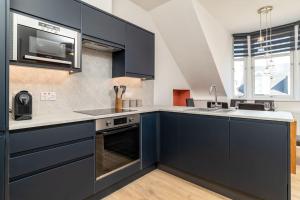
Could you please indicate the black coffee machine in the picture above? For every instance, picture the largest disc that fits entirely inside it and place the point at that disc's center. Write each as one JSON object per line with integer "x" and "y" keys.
{"x": 22, "y": 106}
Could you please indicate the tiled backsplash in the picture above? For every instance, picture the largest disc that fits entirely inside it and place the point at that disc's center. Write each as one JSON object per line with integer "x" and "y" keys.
{"x": 90, "y": 89}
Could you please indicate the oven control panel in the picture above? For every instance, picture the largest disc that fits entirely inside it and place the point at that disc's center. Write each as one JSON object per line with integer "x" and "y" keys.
{"x": 113, "y": 122}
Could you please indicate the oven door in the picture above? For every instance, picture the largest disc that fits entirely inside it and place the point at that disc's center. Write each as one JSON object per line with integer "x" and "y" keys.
{"x": 38, "y": 46}
{"x": 116, "y": 149}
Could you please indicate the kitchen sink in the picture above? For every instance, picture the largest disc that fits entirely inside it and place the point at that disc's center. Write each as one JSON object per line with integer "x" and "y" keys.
{"x": 219, "y": 110}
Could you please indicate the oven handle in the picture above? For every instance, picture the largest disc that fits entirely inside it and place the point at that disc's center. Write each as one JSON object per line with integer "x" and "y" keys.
{"x": 112, "y": 132}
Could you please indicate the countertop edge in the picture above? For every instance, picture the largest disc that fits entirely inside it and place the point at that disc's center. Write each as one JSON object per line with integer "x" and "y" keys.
{"x": 75, "y": 117}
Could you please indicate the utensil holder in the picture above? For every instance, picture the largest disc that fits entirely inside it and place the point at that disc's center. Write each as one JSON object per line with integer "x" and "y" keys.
{"x": 118, "y": 104}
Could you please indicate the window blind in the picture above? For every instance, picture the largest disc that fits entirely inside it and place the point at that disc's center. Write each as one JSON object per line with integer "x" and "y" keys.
{"x": 282, "y": 40}
{"x": 240, "y": 45}
{"x": 298, "y": 35}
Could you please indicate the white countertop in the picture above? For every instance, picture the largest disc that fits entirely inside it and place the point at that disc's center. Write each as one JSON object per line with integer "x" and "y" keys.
{"x": 53, "y": 119}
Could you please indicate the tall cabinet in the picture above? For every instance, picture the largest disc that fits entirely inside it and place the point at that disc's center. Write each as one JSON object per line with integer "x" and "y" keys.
{"x": 3, "y": 100}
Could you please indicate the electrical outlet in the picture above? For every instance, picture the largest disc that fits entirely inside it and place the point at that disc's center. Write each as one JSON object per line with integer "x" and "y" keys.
{"x": 48, "y": 96}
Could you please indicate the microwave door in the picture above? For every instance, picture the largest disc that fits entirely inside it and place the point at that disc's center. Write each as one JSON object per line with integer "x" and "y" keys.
{"x": 41, "y": 46}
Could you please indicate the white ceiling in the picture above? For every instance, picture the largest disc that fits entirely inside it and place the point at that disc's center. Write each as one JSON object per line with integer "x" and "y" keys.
{"x": 149, "y": 4}
{"x": 241, "y": 15}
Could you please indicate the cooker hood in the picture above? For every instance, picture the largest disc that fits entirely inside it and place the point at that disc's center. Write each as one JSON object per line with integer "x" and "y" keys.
{"x": 100, "y": 45}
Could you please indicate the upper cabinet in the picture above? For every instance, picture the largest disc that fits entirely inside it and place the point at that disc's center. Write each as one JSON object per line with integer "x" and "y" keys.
{"x": 65, "y": 12}
{"x": 135, "y": 46}
{"x": 102, "y": 26}
{"x": 139, "y": 51}
{"x": 137, "y": 60}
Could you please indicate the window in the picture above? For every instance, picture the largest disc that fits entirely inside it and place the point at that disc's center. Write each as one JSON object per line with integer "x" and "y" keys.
{"x": 239, "y": 77}
{"x": 271, "y": 71}
{"x": 272, "y": 77}
{"x": 240, "y": 57}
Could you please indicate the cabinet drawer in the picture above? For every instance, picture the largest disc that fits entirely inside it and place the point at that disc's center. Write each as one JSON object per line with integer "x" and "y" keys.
{"x": 74, "y": 181}
{"x": 42, "y": 160}
{"x": 37, "y": 138}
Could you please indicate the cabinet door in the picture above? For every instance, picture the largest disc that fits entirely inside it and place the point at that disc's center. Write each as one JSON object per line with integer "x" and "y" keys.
{"x": 204, "y": 147}
{"x": 66, "y": 12}
{"x": 139, "y": 50}
{"x": 3, "y": 64}
{"x": 259, "y": 158}
{"x": 73, "y": 181}
{"x": 102, "y": 26}
{"x": 169, "y": 152}
{"x": 2, "y": 166}
{"x": 149, "y": 123}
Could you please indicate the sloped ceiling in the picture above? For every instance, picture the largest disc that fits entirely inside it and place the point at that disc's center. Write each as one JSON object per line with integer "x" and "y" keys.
{"x": 241, "y": 15}
{"x": 179, "y": 25}
{"x": 149, "y": 4}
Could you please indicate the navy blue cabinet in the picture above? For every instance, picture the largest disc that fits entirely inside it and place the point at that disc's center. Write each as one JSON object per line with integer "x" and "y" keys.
{"x": 169, "y": 139}
{"x": 248, "y": 156}
{"x": 74, "y": 181}
{"x": 3, "y": 64}
{"x": 2, "y": 166}
{"x": 259, "y": 158}
{"x": 139, "y": 51}
{"x": 195, "y": 144}
{"x": 55, "y": 162}
{"x": 149, "y": 133}
{"x": 204, "y": 147}
{"x": 65, "y": 12}
{"x": 102, "y": 26}
{"x": 138, "y": 59}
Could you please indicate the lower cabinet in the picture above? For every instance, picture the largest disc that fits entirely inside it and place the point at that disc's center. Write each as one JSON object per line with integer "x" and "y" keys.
{"x": 149, "y": 135}
{"x": 259, "y": 158}
{"x": 195, "y": 144}
{"x": 52, "y": 163}
{"x": 74, "y": 181}
{"x": 169, "y": 139}
{"x": 247, "y": 156}
{"x": 203, "y": 147}
{"x": 2, "y": 166}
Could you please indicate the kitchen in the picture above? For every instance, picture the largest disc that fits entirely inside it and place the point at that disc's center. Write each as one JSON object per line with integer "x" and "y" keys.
{"x": 94, "y": 102}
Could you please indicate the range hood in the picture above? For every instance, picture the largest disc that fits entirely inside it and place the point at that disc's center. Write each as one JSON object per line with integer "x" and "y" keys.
{"x": 100, "y": 45}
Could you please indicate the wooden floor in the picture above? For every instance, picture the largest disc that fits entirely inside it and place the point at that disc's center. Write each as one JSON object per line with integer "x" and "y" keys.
{"x": 159, "y": 185}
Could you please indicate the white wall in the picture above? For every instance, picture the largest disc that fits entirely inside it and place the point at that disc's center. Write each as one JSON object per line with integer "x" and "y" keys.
{"x": 220, "y": 44}
{"x": 105, "y": 5}
{"x": 179, "y": 25}
{"x": 167, "y": 73}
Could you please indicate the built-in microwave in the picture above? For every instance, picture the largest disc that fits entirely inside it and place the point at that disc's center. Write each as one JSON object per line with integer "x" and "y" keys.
{"x": 38, "y": 42}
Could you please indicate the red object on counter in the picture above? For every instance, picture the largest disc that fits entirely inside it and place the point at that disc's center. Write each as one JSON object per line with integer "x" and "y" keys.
{"x": 180, "y": 96}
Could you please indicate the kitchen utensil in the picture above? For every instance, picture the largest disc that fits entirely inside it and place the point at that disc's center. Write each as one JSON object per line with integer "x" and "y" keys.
{"x": 123, "y": 87}
{"x": 116, "y": 89}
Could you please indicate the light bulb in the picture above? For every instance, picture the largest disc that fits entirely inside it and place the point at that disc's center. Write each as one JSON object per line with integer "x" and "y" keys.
{"x": 260, "y": 39}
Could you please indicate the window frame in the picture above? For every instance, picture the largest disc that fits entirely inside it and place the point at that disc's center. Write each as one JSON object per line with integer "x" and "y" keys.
{"x": 249, "y": 75}
{"x": 274, "y": 97}
{"x": 244, "y": 59}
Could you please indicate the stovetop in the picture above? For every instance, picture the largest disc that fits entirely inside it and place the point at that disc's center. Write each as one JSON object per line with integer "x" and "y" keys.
{"x": 97, "y": 112}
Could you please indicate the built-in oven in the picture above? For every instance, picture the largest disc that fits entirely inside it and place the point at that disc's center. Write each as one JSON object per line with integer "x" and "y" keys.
{"x": 117, "y": 144}
{"x": 35, "y": 41}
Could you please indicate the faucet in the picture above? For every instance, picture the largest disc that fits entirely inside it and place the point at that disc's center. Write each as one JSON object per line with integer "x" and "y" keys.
{"x": 213, "y": 89}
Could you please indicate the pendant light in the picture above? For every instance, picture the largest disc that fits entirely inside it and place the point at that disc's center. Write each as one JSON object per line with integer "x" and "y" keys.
{"x": 265, "y": 39}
